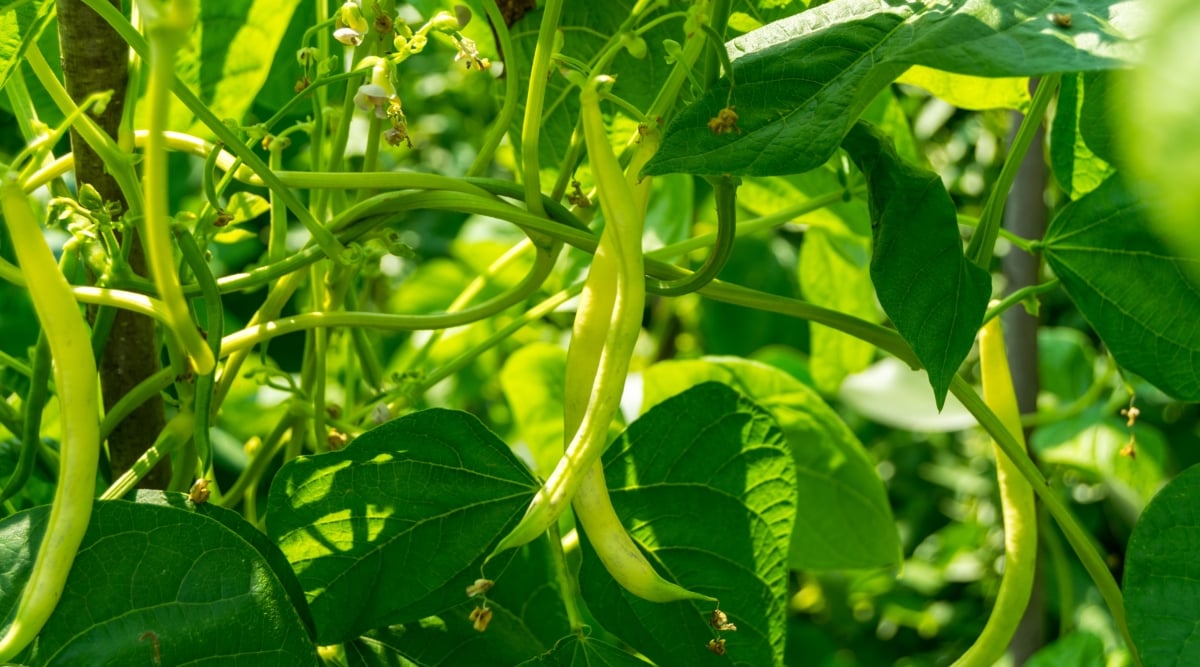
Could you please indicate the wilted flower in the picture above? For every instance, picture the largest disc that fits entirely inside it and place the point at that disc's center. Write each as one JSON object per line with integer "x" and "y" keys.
{"x": 469, "y": 52}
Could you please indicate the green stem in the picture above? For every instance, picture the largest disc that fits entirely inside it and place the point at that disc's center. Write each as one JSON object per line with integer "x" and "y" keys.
{"x": 979, "y": 250}
{"x": 214, "y": 319}
{"x": 512, "y": 91}
{"x": 1019, "y": 296}
{"x": 167, "y": 33}
{"x": 31, "y": 418}
{"x": 531, "y": 128}
{"x": 725, "y": 190}
{"x": 175, "y": 434}
{"x": 139, "y": 394}
{"x": 566, "y": 582}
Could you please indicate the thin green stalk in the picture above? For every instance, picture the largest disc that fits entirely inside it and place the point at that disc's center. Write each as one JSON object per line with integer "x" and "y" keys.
{"x": 565, "y": 580}
{"x": 979, "y": 250}
{"x": 317, "y": 356}
{"x": 136, "y": 396}
{"x": 1019, "y": 296}
{"x": 31, "y": 418}
{"x": 531, "y": 128}
{"x": 214, "y": 319}
{"x": 118, "y": 163}
{"x": 174, "y": 434}
{"x": 260, "y": 459}
{"x": 167, "y": 33}
{"x": 278, "y": 220}
{"x": 725, "y": 190}
{"x": 225, "y": 134}
{"x": 472, "y": 290}
{"x": 487, "y": 151}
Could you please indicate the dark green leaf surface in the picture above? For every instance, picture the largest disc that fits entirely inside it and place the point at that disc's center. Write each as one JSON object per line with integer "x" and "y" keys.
{"x": 843, "y": 519}
{"x": 396, "y": 525}
{"x": 1076, "y": 165}
{"x": 1162, "y": 592}
{"x": 576, "y": 651}
{"x": 705, "y": 484}
{"x": 802, "y": 81}
{"x": 152, "y": 575}
{"x": 527, "y": 619}
{"x": 934, "y": 296}
{"x": 1078, "y": 649}
{"x": 1130, "y": 287}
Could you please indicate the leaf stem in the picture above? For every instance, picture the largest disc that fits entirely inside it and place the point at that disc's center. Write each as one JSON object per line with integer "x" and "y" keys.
{"x": 979, "y": 250}
{"x": 1018, "y": 296}
{"x": 531, "y": 128}
{"x": 512, "y": 91}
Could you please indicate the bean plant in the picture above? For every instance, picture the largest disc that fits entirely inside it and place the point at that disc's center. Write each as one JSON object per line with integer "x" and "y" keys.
{"x": 623, "y": 332}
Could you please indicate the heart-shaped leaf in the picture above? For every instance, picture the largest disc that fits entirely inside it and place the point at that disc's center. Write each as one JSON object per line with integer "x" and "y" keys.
{"x": 706, "y": 485}
{"x": 934, "y": 296}
{"x": 395, "y": 526}
{"x": 158, "y": 583}
{"x": 1132, "y": 289}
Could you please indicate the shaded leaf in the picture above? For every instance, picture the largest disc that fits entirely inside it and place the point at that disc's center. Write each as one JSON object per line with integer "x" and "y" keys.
{"x": 1077, "y": 649}
{"x": 843, "y": 519}
{"x": 802, "y": 81}
{"x": 1131, "y": 289}
{"x": 1076, "y": 166}
{"x": 396, "y": 525}
{"x": 1162, "y": 593}
{"x": 576, "y": 651}
{"x": 705, "y": 485}
{"x": 156, "y": 578}
{"x": 933, "y": 295}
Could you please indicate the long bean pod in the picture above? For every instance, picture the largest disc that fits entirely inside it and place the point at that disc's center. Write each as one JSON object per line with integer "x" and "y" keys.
{"x": 78, "y": 389}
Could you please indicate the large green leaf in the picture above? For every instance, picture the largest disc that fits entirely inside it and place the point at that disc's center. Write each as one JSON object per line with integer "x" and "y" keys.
{"x": 576, "y": 651}
{"x": 234, "y": 46}
{"x": 706, "y": 487}
{"x": 934, "y": 296}
{"x": 158, "y": 583}
{"x": 396, "y": 525}
{"x": 1130, "y": 287}
{"x": 1162, "y": 592}
{"x": 527, "y": 620}
{"x": 1076, "y": 165}
{"x": 843, "y": 519}
{"x": 585, "y": 28}
{"x": 802, "y": 81}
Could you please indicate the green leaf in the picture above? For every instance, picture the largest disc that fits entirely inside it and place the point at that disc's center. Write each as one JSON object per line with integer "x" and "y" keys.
{"x": 576, "y": 651}
{"x": 834, "y": 274}
{"x": 585, "y": 28}
{"x": 158, "y": 579}
{"x": 527, "y": 619}
{"x": 396, "y": 525}
{"x": 1076, "y": 166}
{"x": 802, "y": 81}
{"x": 1162, "y": 593}
{"x": 934, "y": 296}
{"x": 843, "y": 519}
{"x": 234, "y": 44}
{"x": 532, "y": 381}
{"x": 1131, "y": 289}
{"x": 1078, "y": 649}
{"x": 763, "y": 264}
{"x": 21, "y": 23}
{"x": 706, "y": 487}
{"x": 970, "y": 92}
